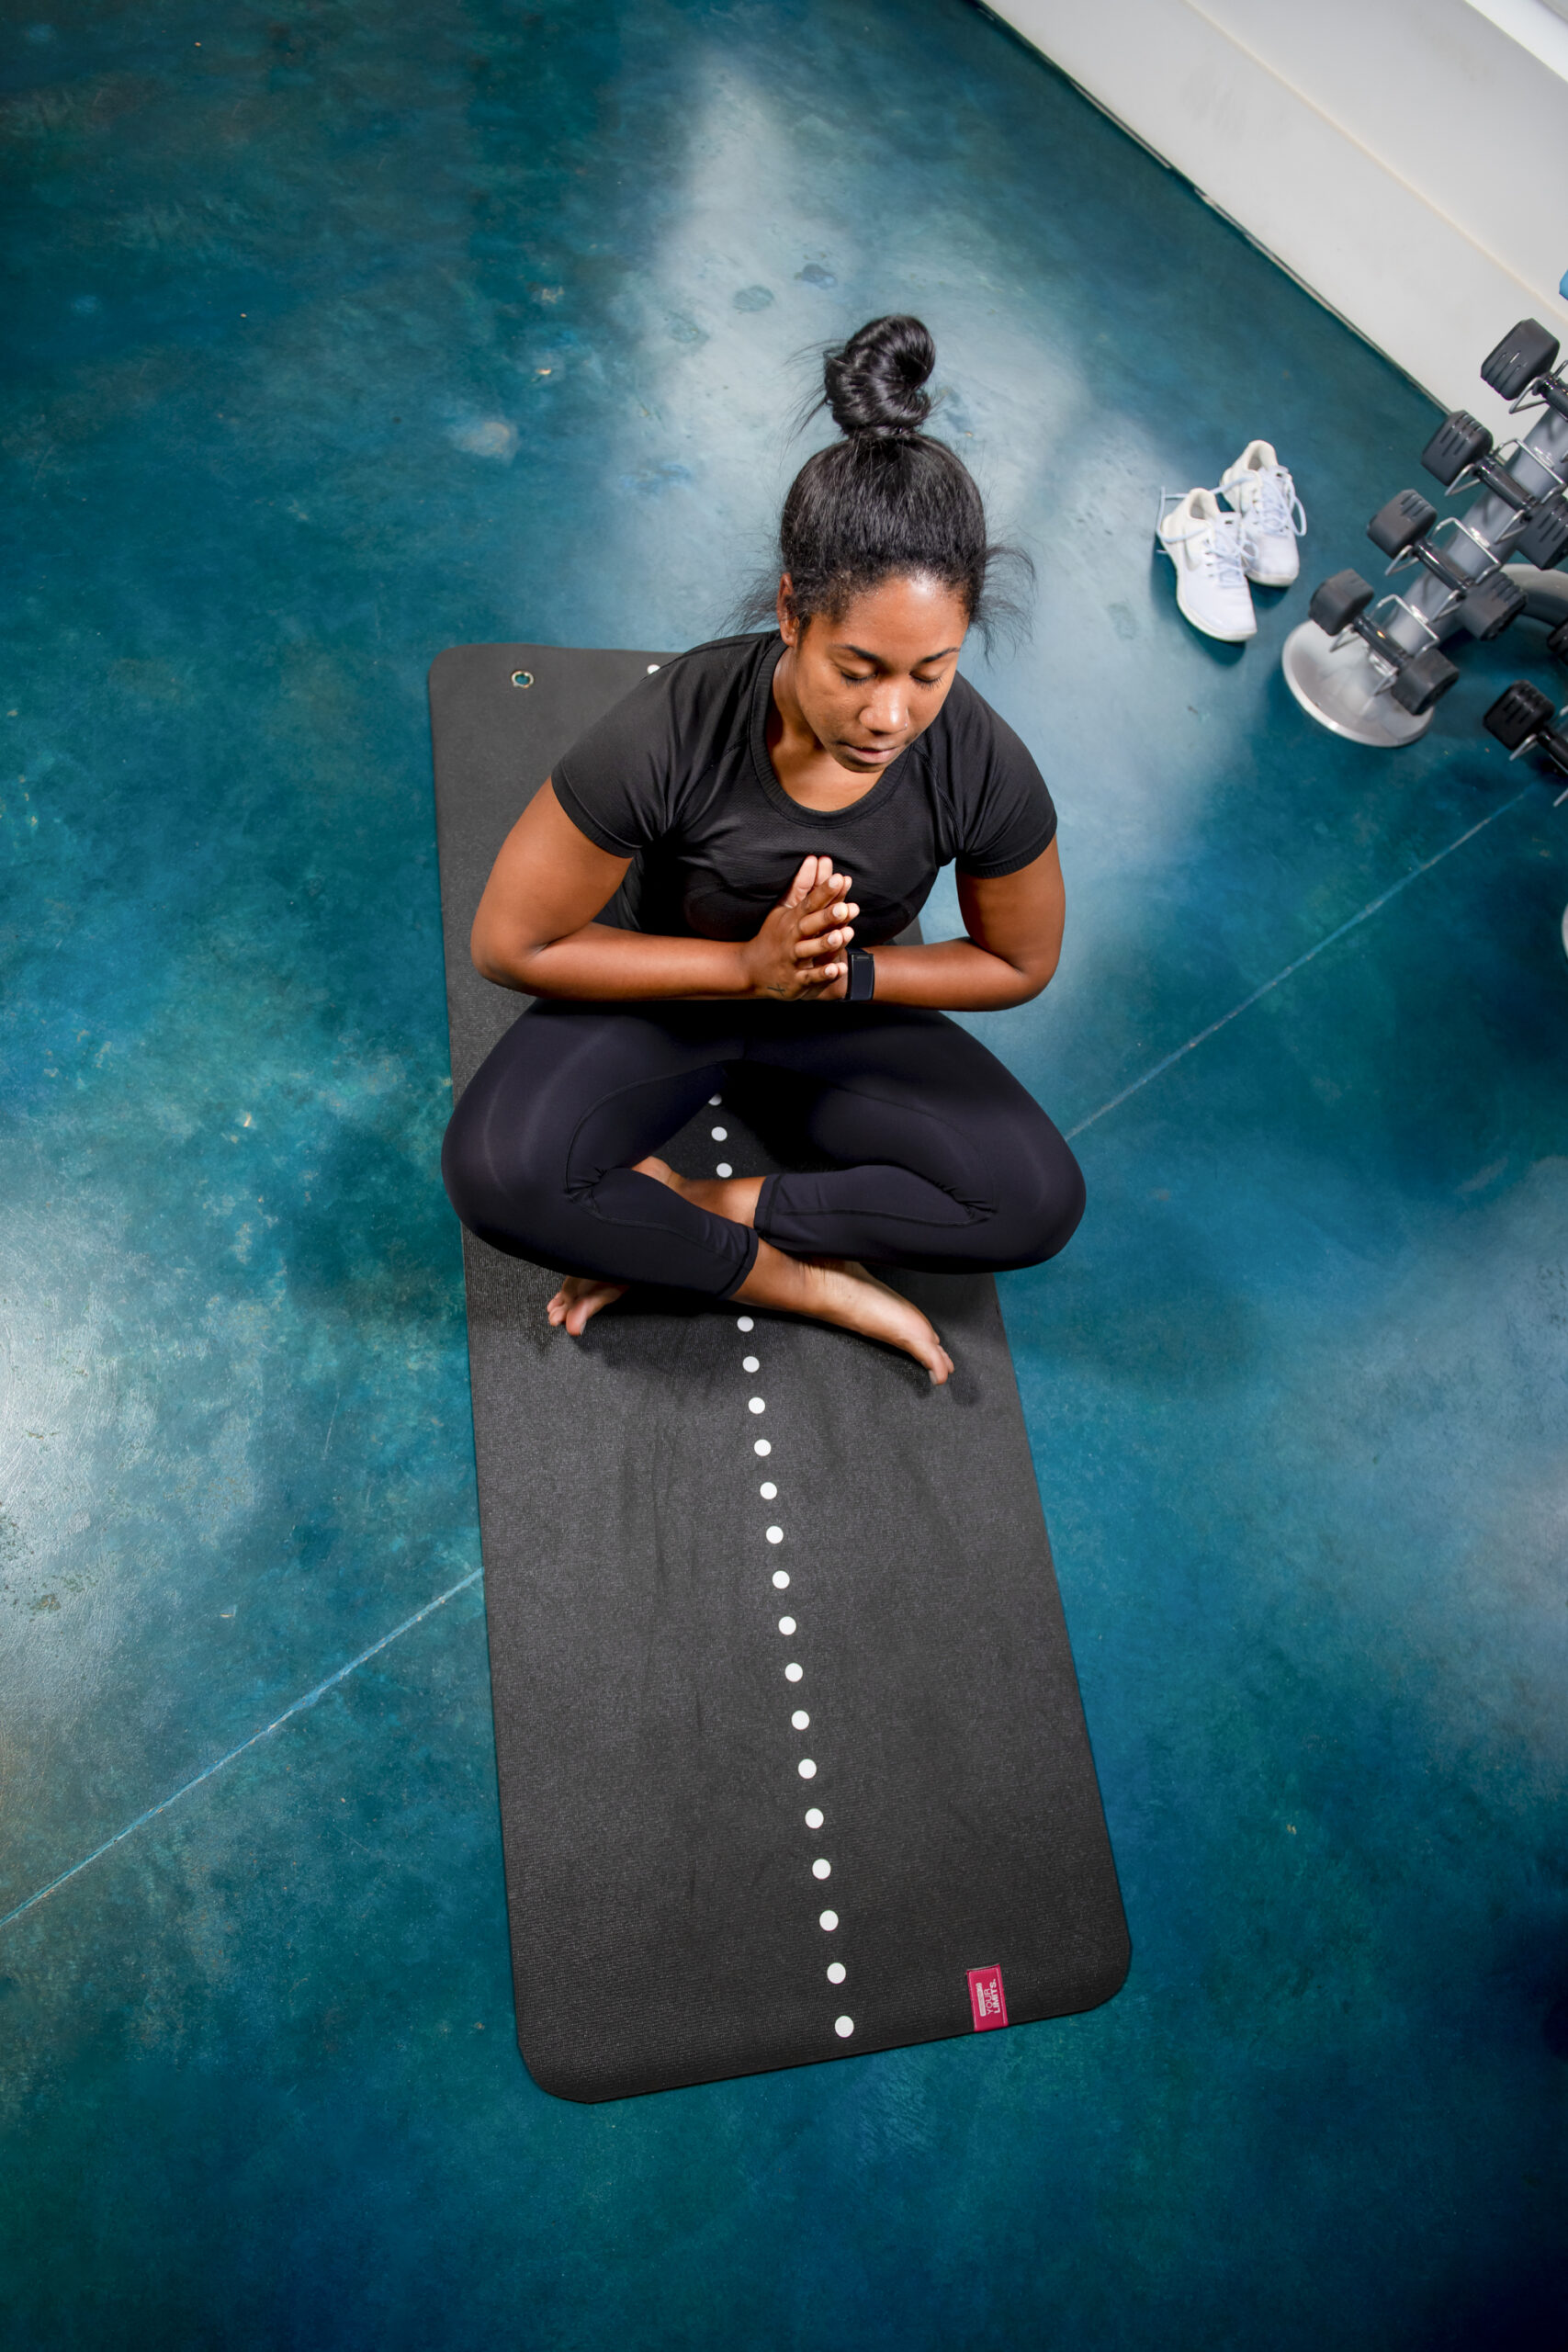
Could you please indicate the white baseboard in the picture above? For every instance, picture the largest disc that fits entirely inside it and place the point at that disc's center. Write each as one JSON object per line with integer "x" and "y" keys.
{"x": 1291, "y": 146}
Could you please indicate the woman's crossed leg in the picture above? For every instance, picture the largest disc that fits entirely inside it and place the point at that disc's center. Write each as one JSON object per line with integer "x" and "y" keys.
{"x": 944, "y": 1161}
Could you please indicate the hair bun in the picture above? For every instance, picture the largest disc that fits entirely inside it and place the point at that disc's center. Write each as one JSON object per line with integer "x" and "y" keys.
{"x": 873, "y": 383}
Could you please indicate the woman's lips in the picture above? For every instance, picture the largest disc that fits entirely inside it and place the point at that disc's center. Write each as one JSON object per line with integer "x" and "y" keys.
{"x": 869, "y": 752}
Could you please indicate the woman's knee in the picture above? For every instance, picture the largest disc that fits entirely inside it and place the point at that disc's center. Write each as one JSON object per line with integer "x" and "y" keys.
{"x": 464, "y": 1162}
{"x": 1042, "y": 1201}
{"x": 496, "y": 1190}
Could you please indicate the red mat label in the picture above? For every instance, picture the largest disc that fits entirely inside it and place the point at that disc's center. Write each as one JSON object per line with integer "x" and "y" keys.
{"x": 986, "y": 1999}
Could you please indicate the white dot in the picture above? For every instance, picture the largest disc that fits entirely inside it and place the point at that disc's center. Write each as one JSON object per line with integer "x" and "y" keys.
{"x": 787, "y": 1624}
{"x": 775, "y": 1535}
{"x": 801, "y": 1720}
{"x": 744, "y": 1323}
{"x": 721, "y": 1135}
{"x": 714, "y": 1102}
{"x": 724, "y": 1169}
{"x": 837, "y": 1972}
{"x": 652, "y": 668}
{"x": 756, "y": 1403}
{"x": 843, "y": 2027}
{"x": 829, "y": 1920}
{"x": 762, "y": 1446}
{"x": 806, "y": 1769}
{"x": 751, "y": 1363}
{"x": 767, "y": 1491}
{"x": 793, "y": 1672}
{"x": 814, "y": 1816}
{"x": 781, "y": 1580}
{"x": 820, "y": 1869}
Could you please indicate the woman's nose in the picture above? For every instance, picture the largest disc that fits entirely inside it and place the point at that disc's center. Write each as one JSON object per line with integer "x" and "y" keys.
{"x": 885, "y": 714}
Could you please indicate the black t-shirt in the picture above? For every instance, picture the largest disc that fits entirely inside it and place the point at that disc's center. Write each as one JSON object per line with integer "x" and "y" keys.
{"x": 677, "y": 777}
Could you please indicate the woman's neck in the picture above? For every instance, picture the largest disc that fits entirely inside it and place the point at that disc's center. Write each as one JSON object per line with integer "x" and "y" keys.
{"x": 805, "y": 771}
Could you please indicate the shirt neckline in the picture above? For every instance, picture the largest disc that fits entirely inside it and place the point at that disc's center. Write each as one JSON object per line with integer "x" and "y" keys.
{"x": 772, "y": 790}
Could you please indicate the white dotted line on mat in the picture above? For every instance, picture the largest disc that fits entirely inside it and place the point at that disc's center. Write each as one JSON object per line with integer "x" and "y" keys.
{"x": 721, "y": 1135}
{"x": 793, "y": 1672}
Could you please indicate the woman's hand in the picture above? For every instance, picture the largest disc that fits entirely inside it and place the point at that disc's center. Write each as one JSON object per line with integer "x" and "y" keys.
{"x": 798, "y": 952}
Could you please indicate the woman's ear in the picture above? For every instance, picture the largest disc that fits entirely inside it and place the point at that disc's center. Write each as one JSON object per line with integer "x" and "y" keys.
{"x": 789, "y": 628}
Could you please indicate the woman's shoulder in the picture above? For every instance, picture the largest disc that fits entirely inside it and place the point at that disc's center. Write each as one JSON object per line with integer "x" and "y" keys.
{"x": 681, "y": 702}
{"x": 699, "y": 703}
{"x": 968, "y": 732}
{"x": 721, "y": 654}
{"x": 709, "y": 672}
{"x": 999, "y": 806}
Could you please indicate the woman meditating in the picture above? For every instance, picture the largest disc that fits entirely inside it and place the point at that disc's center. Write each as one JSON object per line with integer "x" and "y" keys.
{"x": 714, "y": 876}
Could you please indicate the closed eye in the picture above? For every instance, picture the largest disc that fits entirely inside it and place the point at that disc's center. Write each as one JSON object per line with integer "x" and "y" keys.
{"x": 854, "y": 678}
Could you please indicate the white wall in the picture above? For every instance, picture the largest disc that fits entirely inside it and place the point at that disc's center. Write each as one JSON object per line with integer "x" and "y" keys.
{"x": 1407, "y": 160}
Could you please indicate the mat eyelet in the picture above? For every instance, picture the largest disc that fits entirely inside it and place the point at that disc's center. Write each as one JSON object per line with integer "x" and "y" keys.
{"x": 522, "y": 677}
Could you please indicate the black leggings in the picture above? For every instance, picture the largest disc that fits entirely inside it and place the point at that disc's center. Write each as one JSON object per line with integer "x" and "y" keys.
{"x": 939, "y": 1158}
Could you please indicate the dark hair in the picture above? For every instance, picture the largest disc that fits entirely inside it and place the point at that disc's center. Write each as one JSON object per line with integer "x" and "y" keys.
{"x": 887, "y": 502}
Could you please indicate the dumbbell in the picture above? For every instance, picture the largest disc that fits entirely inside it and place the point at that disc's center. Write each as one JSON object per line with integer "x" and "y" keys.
{"x": 1522, "y": 719}
{"x": 1486, "y": 604}
{"x": 1341, "y": 603}
{"x": 1523, "y": 363}
{"x": 1460, "y": 452}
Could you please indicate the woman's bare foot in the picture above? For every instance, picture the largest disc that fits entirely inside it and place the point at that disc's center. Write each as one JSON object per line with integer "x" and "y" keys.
{"x": 580, "y": 1297}
{"x": 828, "y": 1289}
{"x": 578, "y": 1301}
{"x": 734, "y": 1197}
{"x": 836, "y": 1290}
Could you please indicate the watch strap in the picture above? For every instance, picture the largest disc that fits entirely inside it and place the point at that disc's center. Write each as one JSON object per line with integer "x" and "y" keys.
{"x": 862, "y": 985}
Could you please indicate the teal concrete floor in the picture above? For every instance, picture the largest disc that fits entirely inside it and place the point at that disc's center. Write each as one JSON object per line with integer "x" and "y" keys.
{"x": 344, "y": 331}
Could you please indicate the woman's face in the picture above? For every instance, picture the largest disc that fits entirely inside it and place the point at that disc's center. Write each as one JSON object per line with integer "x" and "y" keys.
{"x": 872, "y": 680}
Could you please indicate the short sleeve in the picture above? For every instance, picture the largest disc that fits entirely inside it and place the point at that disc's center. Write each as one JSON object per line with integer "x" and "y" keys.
{"x": 1005, "y": 811}
{"x": 614, "y": 783}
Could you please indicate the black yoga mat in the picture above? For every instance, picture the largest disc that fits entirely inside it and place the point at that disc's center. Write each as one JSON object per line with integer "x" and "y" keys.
{"x": 791, "y": 1760}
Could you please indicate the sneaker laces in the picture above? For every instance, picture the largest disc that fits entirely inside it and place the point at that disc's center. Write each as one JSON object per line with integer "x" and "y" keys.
{"x": 1223, "y": 556}
{"x": 1277, "y": 506}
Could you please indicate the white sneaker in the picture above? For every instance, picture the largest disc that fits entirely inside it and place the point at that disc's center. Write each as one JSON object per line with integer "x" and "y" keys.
{"x": 1263, "y": 494}
{"x": 1204, "y": 544}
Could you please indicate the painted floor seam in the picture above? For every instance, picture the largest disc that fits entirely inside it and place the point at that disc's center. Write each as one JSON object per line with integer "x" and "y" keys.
{"x": 1351, "y": 924}
{"x": 209, "y": 1771}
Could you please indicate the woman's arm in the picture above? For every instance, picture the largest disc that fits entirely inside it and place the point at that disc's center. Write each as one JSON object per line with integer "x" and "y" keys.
{"x": 535, "y": 929}
{"x": 1015, "y": 940}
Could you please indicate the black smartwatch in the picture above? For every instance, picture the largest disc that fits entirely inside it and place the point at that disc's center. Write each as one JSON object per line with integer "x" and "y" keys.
{"x": 862, "y": 977}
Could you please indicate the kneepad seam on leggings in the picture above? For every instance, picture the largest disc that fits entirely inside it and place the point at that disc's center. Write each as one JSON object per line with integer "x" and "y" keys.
{"x": 945, "y": 1126}
{"x": 577, "y": 1186}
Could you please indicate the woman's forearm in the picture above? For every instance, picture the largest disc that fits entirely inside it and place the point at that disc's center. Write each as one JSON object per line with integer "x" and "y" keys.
{"x": 954, "y": 976}
{"x": 600, "y": 964}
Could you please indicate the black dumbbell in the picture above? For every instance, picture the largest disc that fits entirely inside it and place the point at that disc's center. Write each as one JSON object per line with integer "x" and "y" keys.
{"x": 1491, "y": 605}
{"x": 1487, "y": 604}
{"x": 1458, "y": 442}
{"x": 1521, "y": 719}
{"x": 1461, "y": 445}
{"x": 1557, "y": 643}
{"x": 1341, "y": 603}
{"x": 1525, "y": 353}
{"x": 1338, "y": 603}
{"x": 1405, "y": 520}
{"x": 1544, "y": 539}
{"x": 1524, "y": 366}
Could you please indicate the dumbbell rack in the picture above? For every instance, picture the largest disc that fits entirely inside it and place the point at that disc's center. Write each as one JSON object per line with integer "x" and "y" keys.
{"x": 1372, "y": 668}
